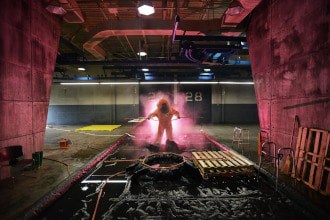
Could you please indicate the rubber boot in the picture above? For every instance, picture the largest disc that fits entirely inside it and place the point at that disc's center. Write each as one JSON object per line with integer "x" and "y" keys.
{"x": 154, "y": 148}
{"x": 171, "y": 146}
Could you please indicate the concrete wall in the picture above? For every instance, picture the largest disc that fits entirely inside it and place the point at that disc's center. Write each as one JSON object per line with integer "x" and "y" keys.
{"x": 234, "y": 104}
{"x": 93, "y": 104}
{"x": 289, "y": 49}
{"x": 28, "y": 49}
{"x": 104, "y": 104}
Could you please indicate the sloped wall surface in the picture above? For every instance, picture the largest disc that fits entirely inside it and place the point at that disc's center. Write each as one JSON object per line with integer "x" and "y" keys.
{"x": 289, "y": 49}
{"x": 28, "y": 49}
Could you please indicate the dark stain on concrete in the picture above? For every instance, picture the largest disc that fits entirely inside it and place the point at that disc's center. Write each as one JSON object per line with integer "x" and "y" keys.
{"x": 293, "y": 42}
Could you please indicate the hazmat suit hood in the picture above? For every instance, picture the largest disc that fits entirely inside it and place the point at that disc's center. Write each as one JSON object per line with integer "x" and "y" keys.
{"x": 163, "y": 106}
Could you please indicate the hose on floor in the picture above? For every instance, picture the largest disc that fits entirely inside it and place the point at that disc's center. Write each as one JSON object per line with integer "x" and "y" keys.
{"x": 101, "y": 190}
{"x": 67, "y": 165}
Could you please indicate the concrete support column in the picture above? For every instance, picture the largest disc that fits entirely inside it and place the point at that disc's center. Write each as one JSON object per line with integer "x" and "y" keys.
{"x": 289, "y": 50}
{"x": 28, "y": 49}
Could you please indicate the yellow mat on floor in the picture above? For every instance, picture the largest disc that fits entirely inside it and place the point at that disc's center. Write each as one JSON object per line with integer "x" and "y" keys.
{"x": 98, "y": 128}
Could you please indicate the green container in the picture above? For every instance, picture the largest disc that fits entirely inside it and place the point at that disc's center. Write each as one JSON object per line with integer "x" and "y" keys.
{"x": 37, "y": 156}
{"x": 41, "y": 154}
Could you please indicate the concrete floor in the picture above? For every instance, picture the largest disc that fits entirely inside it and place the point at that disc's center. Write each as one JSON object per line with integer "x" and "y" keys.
{"x": 60, "y": 164}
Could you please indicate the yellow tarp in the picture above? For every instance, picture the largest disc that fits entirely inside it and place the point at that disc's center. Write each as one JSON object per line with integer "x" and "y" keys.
{"x": 98, "y": 128}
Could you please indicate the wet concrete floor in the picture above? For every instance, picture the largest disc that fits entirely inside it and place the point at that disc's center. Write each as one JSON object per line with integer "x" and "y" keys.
{"x": 60, "y": 164}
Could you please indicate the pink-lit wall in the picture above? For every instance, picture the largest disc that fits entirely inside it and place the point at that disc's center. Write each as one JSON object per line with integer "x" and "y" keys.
{"x": 28, "y": 49}
{"x": 289, "y": 50}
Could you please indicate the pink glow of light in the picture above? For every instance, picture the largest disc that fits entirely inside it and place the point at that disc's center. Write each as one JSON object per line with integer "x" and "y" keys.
{"x": 184, "y": 129}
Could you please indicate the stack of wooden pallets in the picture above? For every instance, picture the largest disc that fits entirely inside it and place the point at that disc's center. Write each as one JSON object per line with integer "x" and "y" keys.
{"x": 222, "y": 163}
{"x": 313, "y": 159}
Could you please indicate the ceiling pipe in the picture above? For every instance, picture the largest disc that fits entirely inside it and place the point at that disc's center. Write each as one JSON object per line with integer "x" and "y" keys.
{"x": 106, "y": 29}
{"x": 176, "y": 23}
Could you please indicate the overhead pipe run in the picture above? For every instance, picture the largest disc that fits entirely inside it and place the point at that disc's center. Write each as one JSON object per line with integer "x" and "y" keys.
{"x": 106, "y": 29}
{"x": 176, "y": 23}
{"x": 201, "y": 53}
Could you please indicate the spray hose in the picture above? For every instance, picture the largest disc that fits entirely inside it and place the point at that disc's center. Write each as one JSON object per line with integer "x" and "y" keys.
{"x": 101, "y": 191}
{"x": 67, "y": 165}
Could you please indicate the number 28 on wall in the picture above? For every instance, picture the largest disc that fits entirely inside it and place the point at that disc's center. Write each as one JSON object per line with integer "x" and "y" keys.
{"x": 197, "y": 97}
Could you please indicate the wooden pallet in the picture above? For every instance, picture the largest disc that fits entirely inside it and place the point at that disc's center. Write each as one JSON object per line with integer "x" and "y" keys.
{"x": 314, "y": 156}
{"x": 221, "y": 163}
{"x": 311, "y": 148}
{"x": 325, "y": 176}
{"x": 300, "y": 153}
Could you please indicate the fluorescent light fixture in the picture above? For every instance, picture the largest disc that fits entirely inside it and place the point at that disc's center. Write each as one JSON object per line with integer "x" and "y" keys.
{"x": 146, "y": 8}
{"x": 99, "y": 83}
{"x": 145, "y": 69}
{"x": 206, "y": 74}
{"x": 159, "y": 83}
{"x": 81, "y": 69}
{"x": 142, "y": 53}
{"x": 215, "y": 82}
{"x": 200, "y": 83}
{"x": 237, "y": 83}
{"x": 79, "y": 83}
{"x": 103, "y": 181}
{"x": 119, "y": 83}
{"x": 207, "y": 70}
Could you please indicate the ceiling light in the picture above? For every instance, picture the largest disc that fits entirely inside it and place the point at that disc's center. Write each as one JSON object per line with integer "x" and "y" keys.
{"x": 146, "y": 8}
{"x": 207, "y": 70}
{"x": 81, "y": 69}
{"x": 99, "y": 83}
{"x": 119, "y": 83}
{"x": 206, "y": 74}
{"x": 197, "y": 82}
{"x": 145, "y": 69}
{"x": 78, "y": 83}
{"x": 142, "y": 53}
{"x": 237, "y": 83}
{"x": 159, "y": 83}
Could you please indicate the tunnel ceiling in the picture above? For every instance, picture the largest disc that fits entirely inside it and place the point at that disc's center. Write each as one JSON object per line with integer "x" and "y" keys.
{"x": 182, "y": 37}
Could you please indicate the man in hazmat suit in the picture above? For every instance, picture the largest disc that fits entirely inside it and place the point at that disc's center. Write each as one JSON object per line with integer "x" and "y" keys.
{"x": 164, "y": 113}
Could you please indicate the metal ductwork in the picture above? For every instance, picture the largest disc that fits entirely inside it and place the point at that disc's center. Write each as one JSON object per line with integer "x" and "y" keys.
{"x": 74, "y": 14}
{"x": 112, "y": 28}
{"x": 236, "y": 12}
{"x": 215, "y": 54}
